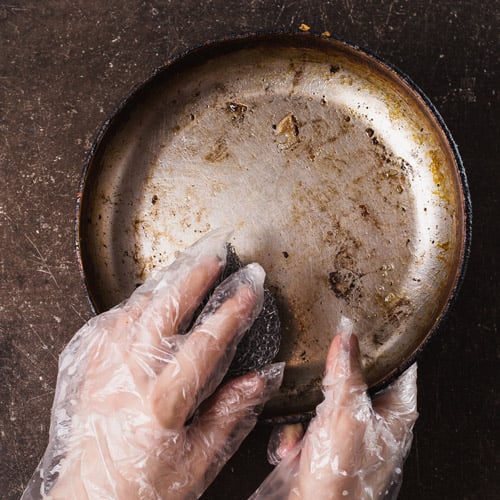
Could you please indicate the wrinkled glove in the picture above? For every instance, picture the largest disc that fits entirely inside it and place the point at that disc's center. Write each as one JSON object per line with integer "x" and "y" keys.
{"x": 136, "y": 413}
{"x": 354, "y": 447}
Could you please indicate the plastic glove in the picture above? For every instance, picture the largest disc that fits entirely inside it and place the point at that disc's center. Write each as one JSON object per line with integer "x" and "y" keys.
{"x": 126, "y": 420}
{"x": 354, "y": 448}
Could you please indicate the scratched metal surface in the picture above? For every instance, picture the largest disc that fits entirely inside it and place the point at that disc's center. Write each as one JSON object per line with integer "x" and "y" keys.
{"x": 62, "y": 70}
{"x": 369, "y": 221}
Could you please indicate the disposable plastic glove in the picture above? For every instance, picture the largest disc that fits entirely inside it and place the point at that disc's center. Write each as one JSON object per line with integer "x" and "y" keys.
{"x": 354, "y": 448}
{"x": 126, "y": 420}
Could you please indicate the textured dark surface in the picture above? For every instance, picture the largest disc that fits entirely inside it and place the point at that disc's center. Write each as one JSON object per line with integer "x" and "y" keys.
{"x": 63, "y": 67}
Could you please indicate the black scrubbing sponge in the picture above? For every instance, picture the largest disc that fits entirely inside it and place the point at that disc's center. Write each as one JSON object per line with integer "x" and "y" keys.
{"x": 260, "y": 344}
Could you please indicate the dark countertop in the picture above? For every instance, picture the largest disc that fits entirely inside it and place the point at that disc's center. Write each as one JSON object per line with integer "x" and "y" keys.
{"x": 63, "y": 67}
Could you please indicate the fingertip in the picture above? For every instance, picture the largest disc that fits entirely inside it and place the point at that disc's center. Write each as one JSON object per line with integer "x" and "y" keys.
{"x": 344, "y": 354}
{"x": 273, "y": 376}
{"x": 343, "y": 361}
{"x": 256, "y": 275}
{"x": 261, "y": 384}
{"x": 249, "y": 385}
{"x": 346, "y": 325}
{"x": 213, "y": 243}
{"x": 283, "y": 439}
{"x": 343, "y": 342}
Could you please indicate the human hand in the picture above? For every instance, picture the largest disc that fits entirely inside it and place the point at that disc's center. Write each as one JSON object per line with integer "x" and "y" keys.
{"x": 354, "y": 447}
{"x": 135, "y": 414}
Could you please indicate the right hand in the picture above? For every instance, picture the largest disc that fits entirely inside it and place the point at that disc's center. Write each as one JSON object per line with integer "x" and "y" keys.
{"x": 354, "y": 448}
{"x": 139, "y": 412}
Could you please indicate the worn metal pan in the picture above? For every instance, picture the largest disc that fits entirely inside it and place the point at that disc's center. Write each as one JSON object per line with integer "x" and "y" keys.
{"x": 336, "y": 172}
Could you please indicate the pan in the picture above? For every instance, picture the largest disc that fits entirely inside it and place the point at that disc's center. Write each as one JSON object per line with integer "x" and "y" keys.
{"x": 335, "y": 171}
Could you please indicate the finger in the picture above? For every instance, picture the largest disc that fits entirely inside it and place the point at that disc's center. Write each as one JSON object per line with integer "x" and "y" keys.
{"x": 397, "y": 404}
{"x": 170, "y": 296}
{"x": 343, "y": 376}
{"x": 283, "y": 439}
{"x": 228, "y": 418}
{"x": 333, "y": 442}
{"x": 205, "y": 354}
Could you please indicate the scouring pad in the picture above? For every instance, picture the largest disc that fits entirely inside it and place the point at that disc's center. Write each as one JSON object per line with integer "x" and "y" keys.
{"x": 260, "y": 344}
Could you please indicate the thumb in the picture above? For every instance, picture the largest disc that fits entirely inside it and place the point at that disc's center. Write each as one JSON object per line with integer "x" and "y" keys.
{"x": 343, "y": 379}
{"x": 284, "y": 438}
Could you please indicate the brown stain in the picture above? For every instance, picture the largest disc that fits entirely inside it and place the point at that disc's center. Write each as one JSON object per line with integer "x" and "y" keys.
{"x": 397, "y": 110}
{"x": 219, "y": 151}
{"x": 344, "y": 258}
{"x": 237, "y": 111}
{"x": 399, "y": 310}
{"x": 297, "y": 76}
{"x": 343, "y": 283}
{"x": 368, "y": 215}
{"x": 297, "y": 73}
{"x": 445, "y": 245}
{"x": 435, "y": 161}
{"x": 435, "y": 166}
{"x": 344, "y": 280}
{"x": 395, "y": 310}
{"x": 394, "y": 170}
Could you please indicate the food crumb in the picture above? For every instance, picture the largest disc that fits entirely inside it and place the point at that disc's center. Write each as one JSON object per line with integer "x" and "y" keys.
{"x": 288, "y": 131}
{"x": 304, "y": 27}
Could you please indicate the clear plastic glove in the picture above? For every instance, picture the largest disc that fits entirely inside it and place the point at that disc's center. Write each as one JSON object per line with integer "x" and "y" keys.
{"x": 126, "y": 420}
{"x": 354, "y": 447}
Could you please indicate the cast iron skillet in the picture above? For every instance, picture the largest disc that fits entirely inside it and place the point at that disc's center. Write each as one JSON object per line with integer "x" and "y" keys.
{"x": 335, "y": 171}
